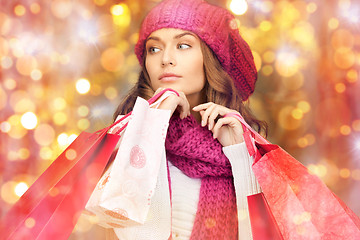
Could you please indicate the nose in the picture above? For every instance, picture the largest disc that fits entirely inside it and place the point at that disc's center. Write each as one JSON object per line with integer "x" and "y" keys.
{"x": 168, "y": 58}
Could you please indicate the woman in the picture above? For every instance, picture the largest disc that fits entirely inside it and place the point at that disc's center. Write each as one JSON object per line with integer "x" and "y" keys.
{"x": 195, "y": 48}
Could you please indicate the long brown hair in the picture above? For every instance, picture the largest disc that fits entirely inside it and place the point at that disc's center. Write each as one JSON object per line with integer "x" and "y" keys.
{"x": 219, "y": 88}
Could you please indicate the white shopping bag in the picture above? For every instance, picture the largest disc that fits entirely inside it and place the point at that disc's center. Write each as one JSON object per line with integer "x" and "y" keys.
{"x": 123, "y": 195}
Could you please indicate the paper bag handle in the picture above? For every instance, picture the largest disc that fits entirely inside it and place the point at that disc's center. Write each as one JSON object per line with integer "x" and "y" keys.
{"x": 249, "y": 134}
{"x": 150, "y": 101}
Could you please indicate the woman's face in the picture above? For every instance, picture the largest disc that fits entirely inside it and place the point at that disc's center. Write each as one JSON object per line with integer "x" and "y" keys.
{"x": 174, "y": 60}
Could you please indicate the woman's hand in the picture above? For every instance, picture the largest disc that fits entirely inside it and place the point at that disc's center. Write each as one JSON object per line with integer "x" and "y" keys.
{"x": 227, "y": 130}
{"x": 174, "y": 102}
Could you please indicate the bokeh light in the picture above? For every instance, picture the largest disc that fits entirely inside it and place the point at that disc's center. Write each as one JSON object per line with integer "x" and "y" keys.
{"x": 35, "y": 8}
{"x": 21, "y": 188}
{"x": 238, "y": 7}
{"x": 257, "y": 60}
{"x": 59, "y": 103}
{"x": 63, "y": 139}
{"x": 287, "y": 63}
{"x": 60, "y": 118}
{"x": 117, "y": 10}
{"x": 61, "y": 8}
{"x": 5, "y": 127}
{"x": 112, "y": 59}
{"x": 8, "y": 192}
{"x": 121, "y": 15}
{"x": 26, "y": 64}
{"x": 44, "y": 134}
{"x": 289, "y": 118}
{"x": 29, "y": 120}
{"x": 6, "y": 62}
{"x": 83, "y": 86}
{"x": 19, "y": 10}
{"x": 36, "y": 74}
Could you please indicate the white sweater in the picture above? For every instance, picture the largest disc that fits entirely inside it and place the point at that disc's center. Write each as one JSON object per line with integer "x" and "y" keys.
{"x": 185, "y": 196}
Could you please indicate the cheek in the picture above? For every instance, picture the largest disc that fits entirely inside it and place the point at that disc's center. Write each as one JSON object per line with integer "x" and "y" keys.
{"x": 198, "y": 70}
{"x": 150, "y": 68}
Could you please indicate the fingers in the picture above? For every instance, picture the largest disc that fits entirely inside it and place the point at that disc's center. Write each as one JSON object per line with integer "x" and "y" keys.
{"x": 221, "y": 122}
{"x": 209, "y": 116}
{"x": 202, "y": 106}
{"x": 227, "y": 130}
{"x": 174, "y": 102}
{"x": 183, "y": 106}
{"x": 205, "y": 110}
{"x": 209, "y": 112}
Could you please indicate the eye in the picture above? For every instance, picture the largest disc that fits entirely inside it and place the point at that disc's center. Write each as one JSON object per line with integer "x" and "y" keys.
{"x": 184, "y": 46}
{"x": 153, "y": 50}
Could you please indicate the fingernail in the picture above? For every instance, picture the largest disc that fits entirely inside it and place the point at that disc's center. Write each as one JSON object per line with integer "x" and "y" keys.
{"x": 202, "y": 123}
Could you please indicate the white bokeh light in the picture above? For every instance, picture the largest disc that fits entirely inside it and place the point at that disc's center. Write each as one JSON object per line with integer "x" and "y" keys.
{"x": 238, "y": 7}
{"x": 29, "y": 120}
{"x": 21, "y": 188}
{"x": 83, "y": 86}
{"x": 62, "y": 139}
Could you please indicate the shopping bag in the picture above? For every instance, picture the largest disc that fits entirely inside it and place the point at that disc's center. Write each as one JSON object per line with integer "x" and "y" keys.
{"x": 123, "y": 195}
{"x": 32, "y": 213}
{"x": 51, "y": 206}
{"x": 301, "y": 204}
{"x": 263, "y": 223}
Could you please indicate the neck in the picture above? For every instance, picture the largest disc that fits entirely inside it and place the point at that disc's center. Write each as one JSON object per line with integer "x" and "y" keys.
{"x": 194, "y": 100}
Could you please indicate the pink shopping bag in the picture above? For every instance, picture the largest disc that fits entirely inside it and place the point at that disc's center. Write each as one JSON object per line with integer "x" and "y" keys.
{"x": 302, "y": 206}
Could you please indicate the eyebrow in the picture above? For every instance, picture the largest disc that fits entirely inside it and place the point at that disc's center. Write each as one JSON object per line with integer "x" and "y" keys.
{"x": 176, "y": 37}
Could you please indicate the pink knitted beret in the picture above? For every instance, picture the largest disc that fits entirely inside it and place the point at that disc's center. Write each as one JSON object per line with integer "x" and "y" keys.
{"x": 215, "y": 26}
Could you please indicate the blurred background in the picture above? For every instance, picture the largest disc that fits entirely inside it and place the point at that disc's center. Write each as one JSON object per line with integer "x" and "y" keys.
{"x": 66, "y": 64}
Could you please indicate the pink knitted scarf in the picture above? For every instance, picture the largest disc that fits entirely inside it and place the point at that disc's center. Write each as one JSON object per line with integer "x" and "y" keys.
{"x": 192, "y": 149}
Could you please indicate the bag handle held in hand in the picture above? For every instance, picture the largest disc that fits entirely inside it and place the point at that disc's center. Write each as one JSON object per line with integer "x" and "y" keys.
{"x": 249, "y": 134}
{"x": 150, "y": 101}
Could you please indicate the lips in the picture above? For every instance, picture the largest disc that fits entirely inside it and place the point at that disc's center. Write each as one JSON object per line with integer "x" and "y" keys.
{"x": 168, "y": 77}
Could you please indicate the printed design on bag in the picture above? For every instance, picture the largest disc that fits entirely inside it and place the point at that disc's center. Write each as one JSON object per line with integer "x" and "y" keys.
{"x": 130, "y": 188}
{"x": 118, "y": 126}
{"x": 104, "y": 181}
{"x": 149, "y": 197}
{"x": 115, "y": 225}
{"x": 115, "y": 129}
{"x": 117, "y": 213}
{"x": 87, "y": 212}
{"x": 137, "y": 157}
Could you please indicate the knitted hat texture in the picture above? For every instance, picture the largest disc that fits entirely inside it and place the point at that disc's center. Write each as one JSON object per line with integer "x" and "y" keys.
{"x": 215, "y": 26}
